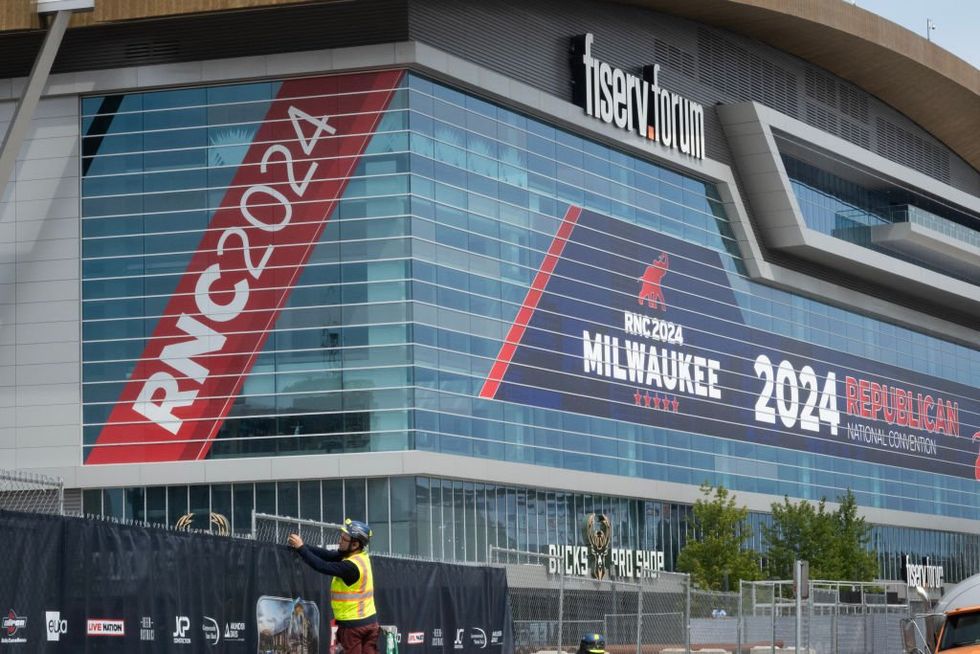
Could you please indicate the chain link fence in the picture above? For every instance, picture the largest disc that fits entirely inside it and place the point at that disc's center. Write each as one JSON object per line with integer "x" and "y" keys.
{"x": 661, "y": 613}
{"x": 276, "y": 529}
{"x": 552, "y": 609}
{"x": 836, "y": 618}
{"x": 31, "y": 493}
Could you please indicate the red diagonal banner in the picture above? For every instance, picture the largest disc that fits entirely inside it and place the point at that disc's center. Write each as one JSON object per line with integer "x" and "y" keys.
{"x": 248, "y": 261}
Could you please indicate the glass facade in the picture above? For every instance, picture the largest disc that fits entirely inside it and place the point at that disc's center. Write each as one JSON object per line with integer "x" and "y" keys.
{"x": 850, "y": 211}
{"x": 401, "y": 310}
{"x": 453, "y": 520}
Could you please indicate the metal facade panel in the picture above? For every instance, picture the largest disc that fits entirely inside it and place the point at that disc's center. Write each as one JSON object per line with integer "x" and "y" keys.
{"x": 530, "y": 42}
{"x": 214, "y": 36}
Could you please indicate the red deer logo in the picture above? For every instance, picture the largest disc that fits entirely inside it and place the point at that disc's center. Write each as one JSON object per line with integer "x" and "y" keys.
{"x": 651, "y": 290}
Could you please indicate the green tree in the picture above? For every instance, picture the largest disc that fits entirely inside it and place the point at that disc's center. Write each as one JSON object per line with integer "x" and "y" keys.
{"x": 799, "y": 531}
{"x": 834, "y": 542}
{"x": 716, "y": 554}
{"x": 856, "y": 562}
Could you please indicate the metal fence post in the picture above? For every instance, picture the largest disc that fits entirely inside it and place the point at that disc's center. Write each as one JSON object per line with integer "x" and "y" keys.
{"x": 772, "y": 611}
{"x": 639, "y": 617}
{"x": 741, "y": 616}
{"x": 835, "y": 625}
{"x": 687, "y": 618}
{"x": 561, "y": 604}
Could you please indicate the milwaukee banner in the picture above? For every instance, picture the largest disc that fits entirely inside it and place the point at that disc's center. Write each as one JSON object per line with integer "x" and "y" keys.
{"x": 627, "y": 323}
{"x": 79, "y": 585}
{"x": 256, "y": 245}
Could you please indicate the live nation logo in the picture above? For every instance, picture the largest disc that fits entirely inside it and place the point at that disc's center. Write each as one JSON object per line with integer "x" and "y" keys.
{"x": 103, "y": 627}
{"x": 256, "y": 246}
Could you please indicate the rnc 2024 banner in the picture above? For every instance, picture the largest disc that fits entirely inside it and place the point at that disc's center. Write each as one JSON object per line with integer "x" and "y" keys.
{"x": 257, "y": 244}
{"x": 626, "y": 323}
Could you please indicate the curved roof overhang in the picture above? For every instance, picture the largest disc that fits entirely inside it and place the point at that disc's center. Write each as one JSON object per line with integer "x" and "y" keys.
{"x": 931, "y": 86}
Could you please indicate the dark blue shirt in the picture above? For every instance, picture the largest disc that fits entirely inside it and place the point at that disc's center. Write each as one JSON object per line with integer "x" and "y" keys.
{"x": 330, "y": 562}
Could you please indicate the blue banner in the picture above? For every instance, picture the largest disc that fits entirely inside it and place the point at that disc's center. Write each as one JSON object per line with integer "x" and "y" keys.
{"x": 626, "y": 323}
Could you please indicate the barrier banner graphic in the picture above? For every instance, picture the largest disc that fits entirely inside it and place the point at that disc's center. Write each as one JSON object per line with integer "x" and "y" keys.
{"x": 627, "y": 323}
{"x": 81, "y": 585}
{"x": 256, "y": 245}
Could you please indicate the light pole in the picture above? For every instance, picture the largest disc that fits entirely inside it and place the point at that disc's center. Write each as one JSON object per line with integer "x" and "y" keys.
{"x": 930, "y": 26}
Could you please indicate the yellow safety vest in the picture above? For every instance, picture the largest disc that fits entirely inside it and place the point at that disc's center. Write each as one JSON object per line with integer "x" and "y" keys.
{"x": 356, "y": 601}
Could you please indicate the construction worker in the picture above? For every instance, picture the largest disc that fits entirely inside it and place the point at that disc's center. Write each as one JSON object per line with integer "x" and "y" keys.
{"x": 352, "y": 588}
{"x": 592, "y": 644}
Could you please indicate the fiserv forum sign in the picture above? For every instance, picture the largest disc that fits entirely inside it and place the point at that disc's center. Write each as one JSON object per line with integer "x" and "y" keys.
{"x": 636, "y": 104}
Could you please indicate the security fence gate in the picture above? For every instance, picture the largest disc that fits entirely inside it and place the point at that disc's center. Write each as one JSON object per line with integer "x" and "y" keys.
{"x": 837, "y": 617}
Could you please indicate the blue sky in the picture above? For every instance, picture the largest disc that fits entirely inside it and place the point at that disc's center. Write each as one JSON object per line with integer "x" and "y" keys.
{"x": 957, "y": 22}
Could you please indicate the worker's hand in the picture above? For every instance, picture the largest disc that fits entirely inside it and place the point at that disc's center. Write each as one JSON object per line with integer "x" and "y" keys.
{"x": 295, "y": 541}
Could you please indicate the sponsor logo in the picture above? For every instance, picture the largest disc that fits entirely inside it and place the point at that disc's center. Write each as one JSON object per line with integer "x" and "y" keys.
{"x": 636, "y": 104}
{"x": 56, "y": 625}
{"x": 234, "y": 632}
{"x": 478, "y": 637}
{"x": 255, "y": 248}
{"x": 98, "y": 627}
{"x": 598, "y": 536}
{"x": 147, "y": 632}
{"x": 437, "y": 638}
{"x": 497, "y": 637}
{"x": 416, "y": 638}
{"x": 458, "y": 643}
{"x": 182, "y": 625}
{"x": 11, "y": 626}
{"x": 212, "y": 634}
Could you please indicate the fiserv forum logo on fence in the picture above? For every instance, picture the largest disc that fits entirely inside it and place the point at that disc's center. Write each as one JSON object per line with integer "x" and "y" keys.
{"x": 256, "y": 245}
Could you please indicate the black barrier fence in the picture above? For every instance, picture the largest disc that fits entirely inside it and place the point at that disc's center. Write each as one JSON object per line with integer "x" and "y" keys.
{"x": 83, "y": 585}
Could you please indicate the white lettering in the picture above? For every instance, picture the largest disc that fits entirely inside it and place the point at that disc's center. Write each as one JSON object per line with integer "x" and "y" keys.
{"x": 161, "y": 412}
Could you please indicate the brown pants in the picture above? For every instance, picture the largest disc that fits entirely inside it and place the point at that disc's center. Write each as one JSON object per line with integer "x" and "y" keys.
{"x": 359, "y": 640}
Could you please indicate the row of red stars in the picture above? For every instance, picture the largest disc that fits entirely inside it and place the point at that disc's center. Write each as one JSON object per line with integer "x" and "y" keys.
{"x": 645, "y": 399}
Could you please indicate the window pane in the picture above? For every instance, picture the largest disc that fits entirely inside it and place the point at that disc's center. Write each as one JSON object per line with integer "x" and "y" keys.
{"x": 309, "y": 500}
{"x": 333, "y": 501}
{"x": 378, "y": 513}
{"x": 221, "y": 503}
{"x": 156, "y": 505}
{"x": 288, "y": 503}
{"x": 176, "y": 503}
{"x": 244, "y": 503}
{"x": 354, "y": 499}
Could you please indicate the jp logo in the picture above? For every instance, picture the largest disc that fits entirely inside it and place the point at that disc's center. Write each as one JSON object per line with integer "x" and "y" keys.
{"x": 651, "y": 290}
{"x": 598, "y": 537}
